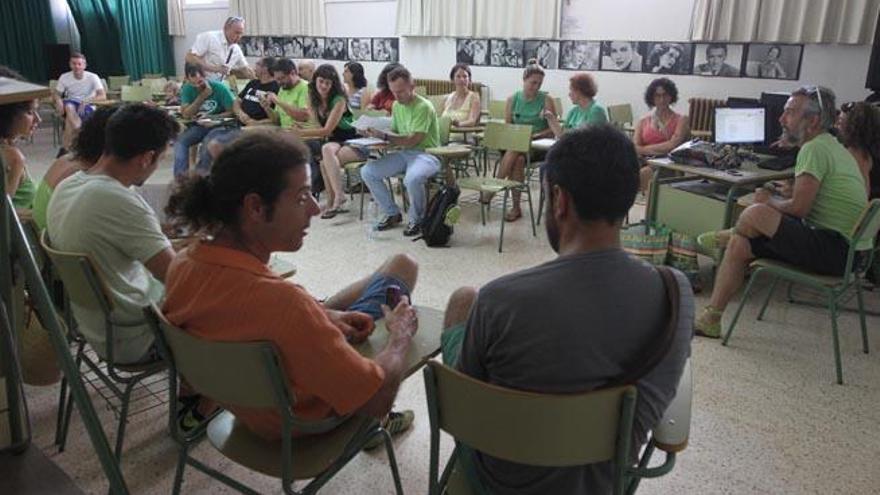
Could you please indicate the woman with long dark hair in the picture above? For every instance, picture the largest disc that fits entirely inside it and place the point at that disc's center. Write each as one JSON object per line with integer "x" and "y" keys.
{"x": 356, "y": 85}
{"x": 17, "y": 120}
{"x": 329, "y": 106}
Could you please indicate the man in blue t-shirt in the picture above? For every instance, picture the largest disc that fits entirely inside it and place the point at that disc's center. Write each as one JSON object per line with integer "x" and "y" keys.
{"x": 200, "y": 99}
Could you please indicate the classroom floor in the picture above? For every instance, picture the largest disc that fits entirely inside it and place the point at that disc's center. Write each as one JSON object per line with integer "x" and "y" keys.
{"x": 768, "y": 417}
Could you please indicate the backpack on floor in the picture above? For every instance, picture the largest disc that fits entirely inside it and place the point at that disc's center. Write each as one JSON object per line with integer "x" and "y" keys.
{"x": 442, "y": 213}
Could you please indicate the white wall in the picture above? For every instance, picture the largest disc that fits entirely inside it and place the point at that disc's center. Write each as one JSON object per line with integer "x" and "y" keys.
{"x": 840, "y": 67}
{"x": 196, "y": 20}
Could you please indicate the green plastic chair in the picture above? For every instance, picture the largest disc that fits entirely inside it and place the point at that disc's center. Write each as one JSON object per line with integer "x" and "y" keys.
{"x": 450, "y": 154}
{"x": 115, "y": 83}
{"x": 501, "y": 137}
{"x": 497, "y": 110}
{"x": 257, "y": 381}
{"x": 136, "y": 93}
{"x": 85, "y": 286}
{"x": 562, "y": 430}
{"x": 833, "y": 288}
{"x": 621, "y": 116}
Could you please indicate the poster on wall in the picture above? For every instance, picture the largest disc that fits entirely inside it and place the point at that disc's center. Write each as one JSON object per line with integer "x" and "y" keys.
{"x": 545, "y": 52}
{"x": 293, "y": 47}
{"x": 472, "y": 52}
{"x": 579, "y": 55}
{"x": 252, "y": 46}
{"x": 274, "y": 46}
{"x": 385, "y": 50}
{"x": 623, "y": 56}
{"x": 506, "y": 53}
{"x": 312, "y": 47}
{"x": 334, "y": 49}
{"x": 669, "y": 57}
{"x": 774, "y": 61}
{"x": 718, "y": 59}
{"x": 360, "y": 49}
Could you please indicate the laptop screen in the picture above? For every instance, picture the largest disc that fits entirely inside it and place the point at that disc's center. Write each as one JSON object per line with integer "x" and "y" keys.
{"x": 739, "y": 125}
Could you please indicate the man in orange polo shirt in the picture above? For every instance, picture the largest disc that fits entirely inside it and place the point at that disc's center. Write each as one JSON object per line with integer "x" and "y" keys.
{"x": 257, "y": 200}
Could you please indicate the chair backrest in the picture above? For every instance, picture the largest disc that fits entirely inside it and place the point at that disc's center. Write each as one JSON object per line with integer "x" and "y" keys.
{"x": 82, "y": 280}
{"x": 497, "y": 109}
{"x": 32, "y": 234}
{"x": 444, "y": 123}
{"x": 620, "y": 114}
{"x": 513, "y": 137}
{"x": 869, "y": 222}
{"x": 156, "y": 85}
{"x": 205, "y": 365}
{"x": 421, "y": 90}
{"x": 105, "y": 84}
{"x": 702, "y": 113}
{"x": 439, "y": 101}
{"x": 136, "y": 93}
{"x": 117, "y": 82}
{"x": 530, "y": 428}
{"x": 557, "y": 102}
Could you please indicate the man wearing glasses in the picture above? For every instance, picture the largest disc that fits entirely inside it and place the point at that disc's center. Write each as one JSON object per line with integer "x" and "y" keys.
{"x": 218, "y": 52}
{"x": 807, "y": 226}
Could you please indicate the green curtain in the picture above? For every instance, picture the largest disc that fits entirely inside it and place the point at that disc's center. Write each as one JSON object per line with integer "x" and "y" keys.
{"x": 146, "y": 44}
{"x": 99, "y": 35}
{"x": 124, "y": 36}
{"x": 25, "y": 28}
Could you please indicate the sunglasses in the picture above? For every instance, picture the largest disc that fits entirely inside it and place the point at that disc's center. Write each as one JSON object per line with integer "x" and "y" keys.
{"x": 846, "y": 107}
{"x": 815, "y": 90}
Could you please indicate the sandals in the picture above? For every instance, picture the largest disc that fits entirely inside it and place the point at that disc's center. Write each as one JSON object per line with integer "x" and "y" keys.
{"x": 332, "y": 212}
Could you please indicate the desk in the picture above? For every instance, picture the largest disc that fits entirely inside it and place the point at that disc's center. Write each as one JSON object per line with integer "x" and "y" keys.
{"x": 465, "y": 130}
{"x": 695, "y": 214}
{"x": 543, "y": 144}
{"x": 425, "y": 343}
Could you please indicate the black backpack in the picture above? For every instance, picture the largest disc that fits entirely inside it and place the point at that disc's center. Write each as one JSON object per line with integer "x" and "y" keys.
{"x": 441, "y": 214}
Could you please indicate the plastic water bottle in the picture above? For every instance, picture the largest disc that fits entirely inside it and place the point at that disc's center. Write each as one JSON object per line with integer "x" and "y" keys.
{"x": 371, "y": 219}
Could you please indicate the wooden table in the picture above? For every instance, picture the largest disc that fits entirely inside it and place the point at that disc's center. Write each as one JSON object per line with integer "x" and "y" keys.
{"x": 425, "y": 343}
{"x": 737, "y": 182}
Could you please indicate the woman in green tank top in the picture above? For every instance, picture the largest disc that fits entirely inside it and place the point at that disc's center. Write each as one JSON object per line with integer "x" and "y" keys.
{"x": 17, "y": 120}
{"x": 525, "y": 107}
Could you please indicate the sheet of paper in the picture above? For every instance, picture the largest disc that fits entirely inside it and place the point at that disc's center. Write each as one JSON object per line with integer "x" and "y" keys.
{"x": 543, "y": 144}
{"x": 367, "y": 141}
{"x": 382, "y": 124}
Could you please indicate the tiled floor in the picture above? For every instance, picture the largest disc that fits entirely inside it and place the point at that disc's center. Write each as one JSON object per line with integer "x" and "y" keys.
{"x": 768, "y": 417}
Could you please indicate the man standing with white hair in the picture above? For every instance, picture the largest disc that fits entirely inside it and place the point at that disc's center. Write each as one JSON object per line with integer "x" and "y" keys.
{"x": 218, "y": 52}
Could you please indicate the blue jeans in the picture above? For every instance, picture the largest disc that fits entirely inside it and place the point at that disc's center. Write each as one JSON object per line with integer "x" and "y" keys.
{"x": 373, "y": 297}
{"x": 192, "y": 136}
{"x": 418, "y": 167}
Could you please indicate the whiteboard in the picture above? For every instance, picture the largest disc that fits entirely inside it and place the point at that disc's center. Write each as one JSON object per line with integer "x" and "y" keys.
{"x": 361, "y": 18}
{"x": 647, "y": 20}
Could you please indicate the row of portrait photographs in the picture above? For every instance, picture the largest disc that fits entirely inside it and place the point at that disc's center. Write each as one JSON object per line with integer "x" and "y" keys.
{"x": 759, "y": 60}
{"x": 359, "y": 49}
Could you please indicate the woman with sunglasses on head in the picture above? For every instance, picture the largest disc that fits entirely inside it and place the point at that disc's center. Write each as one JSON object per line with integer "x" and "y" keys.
{"x": 858, "y": 126}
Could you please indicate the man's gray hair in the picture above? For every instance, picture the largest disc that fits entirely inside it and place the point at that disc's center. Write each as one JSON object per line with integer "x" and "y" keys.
{"x": 233, "y": 20}
{"x": 820, "y": 101}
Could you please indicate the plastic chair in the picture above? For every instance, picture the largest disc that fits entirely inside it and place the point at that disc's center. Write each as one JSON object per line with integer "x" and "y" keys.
{"x": 257, "y": 381}
{"x": 85, "y": 287}
{"x": 449, "y": 153}
{"x": 621, "y": 116}
{"x": 510, "y": 137}
{"x": 541, "y": 429}
{"x": 497, "y": 110}
{"x": 833, "y": 288}
{"x": 136, "y": 93}
{"x": 115, "y": 83}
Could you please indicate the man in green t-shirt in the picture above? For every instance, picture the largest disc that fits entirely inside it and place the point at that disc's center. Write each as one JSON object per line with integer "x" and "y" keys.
{"x": 200, "y": 99}
{"x": 810, "y": 227}
{"x": 414, "y": 128}
{"x": 292, "y": 101}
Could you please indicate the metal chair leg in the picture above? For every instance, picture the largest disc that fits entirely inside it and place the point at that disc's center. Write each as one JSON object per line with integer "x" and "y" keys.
{"x": 62, "y": 400}
{"x": 392, "y": 460}
{"x": 861, "y": 302}
{"x": 181, "y": 465}
{"x": 503, "y": 219}
{"x": 742, "y": 304}
{"x": 123, "y": 418}
{"x": 838, "y": 367}
{"x": 767, "y": 299}
{"x": 541, "y": 205}
{"x": 531, "y": 210}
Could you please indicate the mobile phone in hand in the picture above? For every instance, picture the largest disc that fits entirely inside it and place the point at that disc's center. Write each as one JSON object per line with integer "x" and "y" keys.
{"x": 392, "y": 296}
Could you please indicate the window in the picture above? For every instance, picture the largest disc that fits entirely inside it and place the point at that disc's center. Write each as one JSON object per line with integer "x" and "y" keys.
{"x": 206, "y": 4}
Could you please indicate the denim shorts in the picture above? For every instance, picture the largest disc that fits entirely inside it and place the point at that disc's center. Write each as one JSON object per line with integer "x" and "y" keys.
{"x": 373, "y": 298}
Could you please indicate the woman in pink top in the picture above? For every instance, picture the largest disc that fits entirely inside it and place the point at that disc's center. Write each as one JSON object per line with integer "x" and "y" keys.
{"x": 663, "y": 129}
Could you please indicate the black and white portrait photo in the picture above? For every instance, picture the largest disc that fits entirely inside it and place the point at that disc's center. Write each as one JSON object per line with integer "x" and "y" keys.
{"x": 274, "y": 46}
{"x": 774, "y": 61}
{"x": 579, "y": 55}
{"x": 623, "y": 56}
{"x": 506, "y": 53}
{"x": 334, "y": 49}
{"x": 668, "y": 57}
{"x": 252, "y": 46}
{"x": 293, "y": 47}
{"x": 545, "y": 52}
{"x": 360, "y": 49}
{"x": 472, "y": 52}
{"x": 385, "y": 50}
{"x": 312, "y": 47}
{"x": 718, "y": 59}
